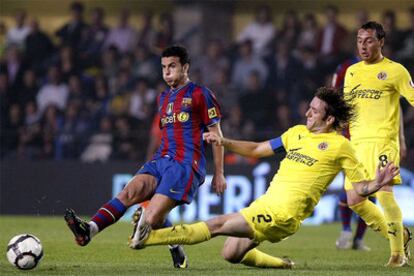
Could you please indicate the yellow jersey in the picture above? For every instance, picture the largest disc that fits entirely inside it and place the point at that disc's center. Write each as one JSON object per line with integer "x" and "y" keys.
{"x": 311, "y": 163}
{"x": 375, "y": 91}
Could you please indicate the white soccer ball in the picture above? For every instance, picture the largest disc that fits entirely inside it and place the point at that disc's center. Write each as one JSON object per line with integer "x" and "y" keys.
{"x": 24, "y": 251}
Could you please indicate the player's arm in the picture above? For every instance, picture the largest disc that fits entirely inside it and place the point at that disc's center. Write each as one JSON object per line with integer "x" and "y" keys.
{"x": 154, "y": 138}
{"x": 219, "y": 181}
{"x": 405, "y": 86}
{"x": 403, "y": 145}
{"x": 245, "y": 148}
{"x": 384, "y": 176}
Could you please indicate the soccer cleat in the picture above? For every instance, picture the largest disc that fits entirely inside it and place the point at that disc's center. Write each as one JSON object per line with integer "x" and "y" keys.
{"x": 408, "y": 236}
{"x": 178, "y": 256}
{"x": 397, "y": 261}
{"x": 287, "y": 263}
{"x": 141, "y": 229}
{"x": 344, "y": 241}
{"x": 359, "y": 245}
{"x": 79, "y": 227}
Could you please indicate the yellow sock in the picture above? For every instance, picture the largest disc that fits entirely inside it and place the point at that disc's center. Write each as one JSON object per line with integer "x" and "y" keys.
{"x": 258, "y": 258}
{"x": 372, "y": 216}
{"x": 180, "y": 234}
{"x": 393, "y": 217}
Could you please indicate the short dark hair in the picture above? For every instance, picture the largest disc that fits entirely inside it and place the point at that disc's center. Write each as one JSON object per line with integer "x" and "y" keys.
{"x": 336, "y": 106}
{"x": 177, "y": 51}
{"x": 77, "y": 6}
{"x": 379, "y": 30}
{"x": 332, "y": 8}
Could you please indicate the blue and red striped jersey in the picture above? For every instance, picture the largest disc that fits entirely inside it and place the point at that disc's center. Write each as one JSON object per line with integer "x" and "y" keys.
{"x": 338, "y": 81}
{"x": 339, "y": 76}
{"x": 185, "y": 114}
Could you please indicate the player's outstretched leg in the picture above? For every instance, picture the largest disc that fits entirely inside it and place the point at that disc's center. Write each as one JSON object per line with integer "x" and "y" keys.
{"x": 257, "y": 258}
{"x": 141, "y": 229}
{"x": 107, "y": 215}
{"x": 79, "y": 227}
{"x": 243, "y": 251}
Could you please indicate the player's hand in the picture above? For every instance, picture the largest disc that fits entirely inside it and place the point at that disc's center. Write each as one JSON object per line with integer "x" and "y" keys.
{"x": 385, "y": 175}
{"x": 213, "y": 138}
{"x": 219, "y": 183}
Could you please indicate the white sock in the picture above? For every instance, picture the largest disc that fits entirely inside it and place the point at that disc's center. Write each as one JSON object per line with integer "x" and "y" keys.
{"x": 93, "y": 228}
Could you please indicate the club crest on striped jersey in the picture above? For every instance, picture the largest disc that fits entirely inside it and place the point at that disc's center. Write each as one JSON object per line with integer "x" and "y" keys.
{"x": 186, "y": 102}
{"x": 212, "y": 113}
{"x": 323, "y": 146}
{"x": 170, "y": 108}
{"x": 183, "y": 117}
{"x": 382, "y": 76}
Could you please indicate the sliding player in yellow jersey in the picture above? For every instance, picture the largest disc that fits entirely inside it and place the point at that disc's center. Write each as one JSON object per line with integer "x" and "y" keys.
{"x": 315, "y": 153}
{"x": 374, "y": 86}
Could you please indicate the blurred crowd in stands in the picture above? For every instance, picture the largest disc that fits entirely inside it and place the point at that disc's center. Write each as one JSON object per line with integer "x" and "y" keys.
{"x": 89, "y": 93}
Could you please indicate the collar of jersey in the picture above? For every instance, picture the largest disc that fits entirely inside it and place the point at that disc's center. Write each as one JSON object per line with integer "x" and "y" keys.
{"x": 323, "y": 134}
{"x": 174, "y": 91}
{"x": 380, "y": 63}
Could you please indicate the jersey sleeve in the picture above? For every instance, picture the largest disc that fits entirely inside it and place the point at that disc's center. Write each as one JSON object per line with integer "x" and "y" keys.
{"x": 276, "y": 144}
{"x": 353, "y": 169}
{"x": 287, "y": 135}
{"x": 405, "y": 85}
{"x": 209, "y": 108}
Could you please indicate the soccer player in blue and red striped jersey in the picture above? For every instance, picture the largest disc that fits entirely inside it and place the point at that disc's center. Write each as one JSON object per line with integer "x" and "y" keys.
{"x": 178, "y": 168}
{"x": 345, "y": 240}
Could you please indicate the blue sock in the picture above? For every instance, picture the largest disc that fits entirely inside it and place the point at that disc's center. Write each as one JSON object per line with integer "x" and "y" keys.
{"x": 167, "y": 223}
{"x": 109, "y": 213}
{"x": 345, "y": 212}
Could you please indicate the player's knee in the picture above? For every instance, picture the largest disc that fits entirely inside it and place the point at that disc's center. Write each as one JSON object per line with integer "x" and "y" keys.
{"x": 353, "y": 201}
{"x": 231, "y": 255}
{"x": 131, "y": 194}
{"x": 126, "y": 197}
{"x": 231, "y": 252}
{"x": 353, "y": 198}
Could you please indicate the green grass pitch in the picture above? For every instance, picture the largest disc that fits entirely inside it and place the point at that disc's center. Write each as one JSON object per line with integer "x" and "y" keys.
{"x": 312, "y": 249}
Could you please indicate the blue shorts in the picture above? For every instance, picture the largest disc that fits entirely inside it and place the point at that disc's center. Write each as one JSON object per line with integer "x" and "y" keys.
{"x": 175, "y": 180}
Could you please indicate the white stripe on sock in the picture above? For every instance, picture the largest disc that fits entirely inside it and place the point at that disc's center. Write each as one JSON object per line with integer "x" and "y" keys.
{"x": 109, "y": 212}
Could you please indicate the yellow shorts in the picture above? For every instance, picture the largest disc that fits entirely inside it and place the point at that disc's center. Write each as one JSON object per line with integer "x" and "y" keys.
{"x": 370, "y": 154}
{"x": 268, "y": 221}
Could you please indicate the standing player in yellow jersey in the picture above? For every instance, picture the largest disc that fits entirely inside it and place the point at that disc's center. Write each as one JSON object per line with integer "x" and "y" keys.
{"x": 374, "y": 86}
{"x": 315, "y": 154}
